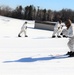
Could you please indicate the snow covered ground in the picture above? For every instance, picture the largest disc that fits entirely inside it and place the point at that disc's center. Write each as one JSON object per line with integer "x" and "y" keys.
{"x": 32, "y": 55}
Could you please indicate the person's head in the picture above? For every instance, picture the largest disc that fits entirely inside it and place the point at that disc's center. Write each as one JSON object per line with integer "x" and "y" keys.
{"x": 25, "y": 22}
{"x": 68, "y": 23}
{"x": 60, "y": 21}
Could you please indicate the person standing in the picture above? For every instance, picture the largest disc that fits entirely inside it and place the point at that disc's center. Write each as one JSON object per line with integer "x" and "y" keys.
{"x": 23, "y": 29}
{"x": 57, "y": 29}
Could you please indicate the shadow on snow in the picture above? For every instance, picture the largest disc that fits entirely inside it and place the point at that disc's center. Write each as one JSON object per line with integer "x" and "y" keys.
{"x": 30, "y": 59}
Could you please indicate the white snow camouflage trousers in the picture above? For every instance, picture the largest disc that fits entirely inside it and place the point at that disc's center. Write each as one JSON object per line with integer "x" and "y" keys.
{"x": 71, "y": 44}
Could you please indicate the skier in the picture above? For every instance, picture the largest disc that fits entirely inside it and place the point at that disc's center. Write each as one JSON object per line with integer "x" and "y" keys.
{"x": 70, "y": 34}
{"x": 57, "y": 29}
{"x": 23, "y": 29}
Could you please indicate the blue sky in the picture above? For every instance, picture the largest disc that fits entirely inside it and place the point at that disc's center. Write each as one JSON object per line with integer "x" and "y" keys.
{"x": 48, "y": 4}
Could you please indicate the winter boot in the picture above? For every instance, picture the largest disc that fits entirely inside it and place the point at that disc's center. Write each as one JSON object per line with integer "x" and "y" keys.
{"x": 26, "y": 36}
{"x": 53, "y": 36}
{"x": 71, "y": 55}
{"x": 59, "y": 36}
{"x": 19, "y": 35}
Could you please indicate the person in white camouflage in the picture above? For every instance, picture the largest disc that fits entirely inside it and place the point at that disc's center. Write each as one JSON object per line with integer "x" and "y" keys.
{"x": 23, "y": 29}
{"x": 70, "y": 35}
{"x": 57, "y": 29}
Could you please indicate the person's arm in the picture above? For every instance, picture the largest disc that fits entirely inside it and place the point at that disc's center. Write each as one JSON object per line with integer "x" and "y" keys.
{"x": 70, "y": 32}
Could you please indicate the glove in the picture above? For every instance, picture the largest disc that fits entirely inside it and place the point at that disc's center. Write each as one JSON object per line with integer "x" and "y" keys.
{"x": 61, "y": 34}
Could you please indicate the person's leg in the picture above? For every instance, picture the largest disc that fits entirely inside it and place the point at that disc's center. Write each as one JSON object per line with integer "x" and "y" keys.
{"x": 20, "y": 33}
{"x": 64, "y": 32}
{"x": 25, "y": 33}
{"x": 59, "y": 32}
{"x": 54, "y": 32}
{"x": 71, "y": 46}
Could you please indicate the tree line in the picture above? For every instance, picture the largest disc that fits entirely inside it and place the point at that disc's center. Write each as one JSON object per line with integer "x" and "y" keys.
{"x": 32, "y": 13}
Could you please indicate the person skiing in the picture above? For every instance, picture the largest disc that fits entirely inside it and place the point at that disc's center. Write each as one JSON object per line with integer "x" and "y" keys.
{"x": 70, "y": 34}
{"x": 57, "y": 29}
{"x": 23, "y": 29}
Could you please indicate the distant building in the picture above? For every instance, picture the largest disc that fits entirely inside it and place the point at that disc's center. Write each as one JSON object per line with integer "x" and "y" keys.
{"x": 46, "y": 25}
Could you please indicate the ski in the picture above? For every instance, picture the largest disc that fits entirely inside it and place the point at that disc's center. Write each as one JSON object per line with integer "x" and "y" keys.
{"x": 59, "y": 56}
